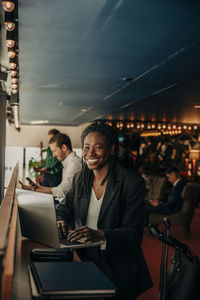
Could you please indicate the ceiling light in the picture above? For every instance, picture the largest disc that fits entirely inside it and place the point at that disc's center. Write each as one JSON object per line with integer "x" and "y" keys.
{"x": 11, "y": 53}
{"x": 10, "y": 26}
{"x": 14, "y": 86}
{"x": 16, "y": 115}
{"x": 10, "y": 43}
{"x": 14, "y": 92}
{"x": 8, "y": 6}
{"x": 14, "y": 80}
{"x": 39, "y": 122}
{"x": 13, "y": 73}
{"x": 12, "y": 65}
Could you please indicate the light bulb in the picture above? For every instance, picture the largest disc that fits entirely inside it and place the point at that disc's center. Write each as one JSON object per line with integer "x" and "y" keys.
{"x": 8, "y": 6}
{"x": 14, "y": 86}
{"x": 10, "y": 43}
{"x": 10, "y": 26}
{"x": 12, "y": 65}
{"x": 11, "y": 53}
{"x": 13, "y": 73}
{"x": 14, "y": 80}
{"x": 14, "y": 92}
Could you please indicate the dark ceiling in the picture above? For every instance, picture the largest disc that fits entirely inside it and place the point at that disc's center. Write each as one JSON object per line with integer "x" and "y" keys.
{"x": 82, "y": 60}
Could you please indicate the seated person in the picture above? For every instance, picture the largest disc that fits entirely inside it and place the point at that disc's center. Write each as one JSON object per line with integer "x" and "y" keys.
{"x": 174, "y": 202}
{"x": 106, "y": 202}
{"x": 61, "y": 148}
{"x": 51, "y": 167}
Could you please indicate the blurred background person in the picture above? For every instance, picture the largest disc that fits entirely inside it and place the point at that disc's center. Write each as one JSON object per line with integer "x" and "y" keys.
{"x": 51, "y": 168}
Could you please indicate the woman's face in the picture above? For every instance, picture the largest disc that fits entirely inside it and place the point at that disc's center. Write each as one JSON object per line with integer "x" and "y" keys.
{"x": 96, "y": 150}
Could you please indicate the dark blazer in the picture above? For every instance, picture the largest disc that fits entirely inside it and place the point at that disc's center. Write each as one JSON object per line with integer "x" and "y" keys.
{"x": 121, "y": 218}
{"x": 174, "y": 201}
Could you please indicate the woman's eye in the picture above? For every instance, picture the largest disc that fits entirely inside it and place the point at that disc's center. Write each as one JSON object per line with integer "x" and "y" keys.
{"x": 85, "y": 148}
{"x": 98, "y": 148}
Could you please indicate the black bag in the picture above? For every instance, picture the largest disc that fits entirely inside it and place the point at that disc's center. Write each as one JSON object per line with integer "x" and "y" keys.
{"x": 183, "y": 278}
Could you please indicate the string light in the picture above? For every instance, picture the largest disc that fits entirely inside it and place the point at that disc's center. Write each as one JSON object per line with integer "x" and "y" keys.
{"x": 8, "y": 6}
{"x": 13, "y": 73}
{"x": 10, "y": 26}
{"x": 12, "y": 65}
{"x": 14, "y": 86}
{"x": 14, "y": 91}
{"x": 14, "y": 80}
{"x": 10, "y": 43}
{"x": 11, "y": 53}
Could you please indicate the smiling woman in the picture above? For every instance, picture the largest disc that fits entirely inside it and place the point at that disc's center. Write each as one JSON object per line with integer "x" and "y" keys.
{"x": 106, "y": 204}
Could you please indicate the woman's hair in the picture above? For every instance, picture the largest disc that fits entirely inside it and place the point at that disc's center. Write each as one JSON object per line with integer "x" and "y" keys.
{"x": 106, "y": 130}
{"x": 86, "y": 175}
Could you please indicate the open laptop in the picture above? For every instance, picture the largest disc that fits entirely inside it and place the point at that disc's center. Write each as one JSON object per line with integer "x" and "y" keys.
{"x": 38, "y": 220}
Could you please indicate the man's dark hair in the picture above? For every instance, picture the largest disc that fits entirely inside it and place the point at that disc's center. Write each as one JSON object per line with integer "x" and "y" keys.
{"x": 86, "y": 175}
{"x": 53, "y": 131}
{"x": 173, "y": 170}
{"x": 61, "y": 139}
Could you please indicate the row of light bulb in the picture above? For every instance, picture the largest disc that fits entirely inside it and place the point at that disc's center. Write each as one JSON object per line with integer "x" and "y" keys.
{"x": 9, "y": 7}
{"x": 121, "y": 125}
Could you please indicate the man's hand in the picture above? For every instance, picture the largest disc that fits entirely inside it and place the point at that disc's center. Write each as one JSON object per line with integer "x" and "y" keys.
{"x": 154, "y": 202}
{"x": 41, "y": 170}
{"x": 62, "y": 229}
{"x": 28, "y": 187}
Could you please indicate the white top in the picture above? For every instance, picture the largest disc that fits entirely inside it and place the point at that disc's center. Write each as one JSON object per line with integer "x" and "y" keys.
{"x": 71, "y": 165}
{"x": 93, "y": 210}
{"x": 175, "y": 183}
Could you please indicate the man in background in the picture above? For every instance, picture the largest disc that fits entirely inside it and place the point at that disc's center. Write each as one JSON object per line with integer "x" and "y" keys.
{"x": 51, "y": 168}
{"x": 174, "y": 202}
{"x": 61, "y": 148}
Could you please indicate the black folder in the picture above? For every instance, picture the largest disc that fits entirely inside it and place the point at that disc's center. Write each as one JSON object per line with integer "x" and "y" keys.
{"x": 71, "y": 280}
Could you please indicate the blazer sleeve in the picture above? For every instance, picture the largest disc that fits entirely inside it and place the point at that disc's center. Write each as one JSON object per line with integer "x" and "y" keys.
{"x": 128, "y": 237}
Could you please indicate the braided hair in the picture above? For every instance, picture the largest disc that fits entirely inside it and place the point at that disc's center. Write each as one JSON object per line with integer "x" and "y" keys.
{"x": 86, "y": 176}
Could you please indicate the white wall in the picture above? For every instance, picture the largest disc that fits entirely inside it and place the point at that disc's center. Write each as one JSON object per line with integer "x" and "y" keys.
{"x": 32, "y": 135}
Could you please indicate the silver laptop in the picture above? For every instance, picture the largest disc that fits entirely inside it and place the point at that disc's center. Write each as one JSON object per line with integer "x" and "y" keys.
{"x": 38, "y": 220}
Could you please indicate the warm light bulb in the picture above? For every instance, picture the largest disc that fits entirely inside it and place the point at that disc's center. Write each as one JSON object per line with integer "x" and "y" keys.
{"x": 13, "y": 73}
{"x": 14, "y": 86}
{"x": 14, "y": 92}
{"x": 8, "y": 6}
{"x": 14, "y": 80}
{"x": 10, "y": 43}
{"x": 11, "y": 53}
{"x": 12, "y": 65}
{"x": 10, "y": 26}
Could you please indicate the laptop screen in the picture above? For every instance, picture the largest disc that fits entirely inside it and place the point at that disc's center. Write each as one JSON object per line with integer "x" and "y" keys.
{"x": 37, "y": 217}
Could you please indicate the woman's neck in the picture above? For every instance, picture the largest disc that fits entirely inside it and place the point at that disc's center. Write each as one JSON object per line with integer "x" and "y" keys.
{"x": 101, "y": 173}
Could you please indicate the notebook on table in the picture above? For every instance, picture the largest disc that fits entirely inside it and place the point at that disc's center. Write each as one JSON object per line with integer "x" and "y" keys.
{"x": 38, "y": 220}
{"x": 63, "y": 280}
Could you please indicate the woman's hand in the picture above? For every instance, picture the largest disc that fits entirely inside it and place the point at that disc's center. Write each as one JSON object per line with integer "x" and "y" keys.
{"x": 62, "y": 229}
{"x": 87, "y": 234}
